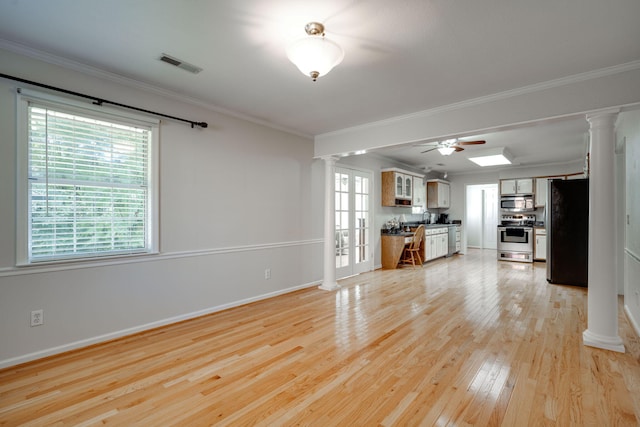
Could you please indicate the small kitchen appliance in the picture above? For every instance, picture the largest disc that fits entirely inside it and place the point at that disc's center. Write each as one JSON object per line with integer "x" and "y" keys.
{"x": 520, "y": 203}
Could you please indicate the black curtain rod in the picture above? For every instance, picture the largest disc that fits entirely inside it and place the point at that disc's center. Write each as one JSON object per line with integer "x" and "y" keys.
{"x": 100, "y": 101}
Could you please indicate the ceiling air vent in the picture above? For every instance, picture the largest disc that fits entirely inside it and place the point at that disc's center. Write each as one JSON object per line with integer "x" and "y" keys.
{"x": 180, "y": 64}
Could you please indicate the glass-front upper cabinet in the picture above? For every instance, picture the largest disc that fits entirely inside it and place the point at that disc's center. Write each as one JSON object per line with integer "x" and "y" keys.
{"x": 399, "y": 185}
{"x": 408, "y": 186}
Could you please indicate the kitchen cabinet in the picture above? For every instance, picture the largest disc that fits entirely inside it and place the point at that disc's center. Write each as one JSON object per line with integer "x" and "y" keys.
{"x": 442, "y": 244}
{"x": 397, "y": 187}
{"x": 438, "y": 194}
{"x": 419, "y": 200}
{"x": 508, "y": 186}
{"x": 540, "y": 245}
{"x": 524, "y": 186}
{"x": 428, "y": 246}
{"x": 516, "y": 186}
{"x": 541, "y": 192}
{"x": 404, "y": 185}
{"x": 436, "y": 243}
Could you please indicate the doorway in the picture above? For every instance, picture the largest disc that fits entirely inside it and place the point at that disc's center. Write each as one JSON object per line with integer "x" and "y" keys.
{"x": 354, "y": 253}
{"x": 482, "y": 216}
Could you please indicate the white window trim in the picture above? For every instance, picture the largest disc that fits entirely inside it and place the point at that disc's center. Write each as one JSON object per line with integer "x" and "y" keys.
{"x": 22, "y": 166}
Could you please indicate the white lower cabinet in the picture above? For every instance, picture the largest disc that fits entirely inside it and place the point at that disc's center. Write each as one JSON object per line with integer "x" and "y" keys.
{"x": 436, "y": 243}
{"x": 428, "y": 245}
{"x": 442, "y": 245}
{"x": 540, "y": 245}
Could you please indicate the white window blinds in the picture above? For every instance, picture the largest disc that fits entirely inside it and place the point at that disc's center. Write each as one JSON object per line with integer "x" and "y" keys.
{"x": 88, "y": 185}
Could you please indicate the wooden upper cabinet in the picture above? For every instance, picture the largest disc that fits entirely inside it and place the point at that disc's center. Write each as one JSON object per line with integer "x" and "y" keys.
{"x": 397, "y": 188}
{"x": 438, "y": 194}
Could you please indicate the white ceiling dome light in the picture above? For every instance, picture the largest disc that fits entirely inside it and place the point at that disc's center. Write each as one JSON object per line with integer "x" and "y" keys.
{"x": 315, "y": 55}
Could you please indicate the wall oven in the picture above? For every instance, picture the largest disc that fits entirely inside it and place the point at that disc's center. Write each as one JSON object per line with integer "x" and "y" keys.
{"x": 523, "y": 203}
{"x": 515, "y": 238}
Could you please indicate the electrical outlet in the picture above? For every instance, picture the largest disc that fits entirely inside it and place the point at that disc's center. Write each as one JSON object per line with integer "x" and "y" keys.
{"x": 37, "y": 317}
{"x": 267, "y": 273}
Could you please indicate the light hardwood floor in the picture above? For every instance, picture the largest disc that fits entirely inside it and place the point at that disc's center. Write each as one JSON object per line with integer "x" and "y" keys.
{"x": 462, "y": 341}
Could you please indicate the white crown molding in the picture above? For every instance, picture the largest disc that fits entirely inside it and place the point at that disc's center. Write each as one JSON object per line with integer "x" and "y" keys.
{"x": 129, "y": 82}
{"x": 563, "y": 81}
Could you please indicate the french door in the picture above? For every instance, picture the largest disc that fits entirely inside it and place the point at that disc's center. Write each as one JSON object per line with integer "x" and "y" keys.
{"x": 354, "y": 251}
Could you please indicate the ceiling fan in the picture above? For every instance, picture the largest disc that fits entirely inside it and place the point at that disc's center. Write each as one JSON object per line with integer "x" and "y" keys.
{"x": 448, "y": 146}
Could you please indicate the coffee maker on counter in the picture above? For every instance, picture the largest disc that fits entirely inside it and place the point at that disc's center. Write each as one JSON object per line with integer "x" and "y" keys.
{"x": 443, "y": 219}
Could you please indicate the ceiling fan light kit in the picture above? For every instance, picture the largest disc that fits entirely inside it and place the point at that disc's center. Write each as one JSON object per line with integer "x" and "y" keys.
{"x": 446, "y": 151}
{"x": 315, "y": 55}
{"x": 492, "y": 157}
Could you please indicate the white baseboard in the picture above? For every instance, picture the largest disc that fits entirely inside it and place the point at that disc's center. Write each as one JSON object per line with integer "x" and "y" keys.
{"x": 130, "y": 331}
{"x": 634, "y": 322}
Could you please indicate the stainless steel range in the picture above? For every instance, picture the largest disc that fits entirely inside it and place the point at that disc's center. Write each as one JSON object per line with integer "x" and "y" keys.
{"x": 515, "y": 238}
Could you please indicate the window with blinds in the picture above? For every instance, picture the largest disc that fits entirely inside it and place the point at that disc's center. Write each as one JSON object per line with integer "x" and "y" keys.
{"x": 89, "y": 189}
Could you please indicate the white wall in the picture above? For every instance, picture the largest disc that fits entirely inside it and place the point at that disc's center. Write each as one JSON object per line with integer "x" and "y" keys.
{"x": 628, "y": 130}
{"x": 235, "y": 198}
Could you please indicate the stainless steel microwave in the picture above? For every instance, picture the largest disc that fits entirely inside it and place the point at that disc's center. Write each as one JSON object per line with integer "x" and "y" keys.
{"x": 524, "y": 203}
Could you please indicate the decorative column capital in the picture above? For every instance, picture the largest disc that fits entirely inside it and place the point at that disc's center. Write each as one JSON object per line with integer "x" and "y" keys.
{"x": 606, "y": 117}
{"x": 330, "y": 159}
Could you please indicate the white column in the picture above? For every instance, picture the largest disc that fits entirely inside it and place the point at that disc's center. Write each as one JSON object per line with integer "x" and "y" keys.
{"x": 329, "y": 280}
{"x": 602, "y": 318}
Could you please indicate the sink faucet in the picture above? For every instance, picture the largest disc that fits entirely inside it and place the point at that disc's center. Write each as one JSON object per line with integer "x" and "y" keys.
{"x": 423, "y": 214}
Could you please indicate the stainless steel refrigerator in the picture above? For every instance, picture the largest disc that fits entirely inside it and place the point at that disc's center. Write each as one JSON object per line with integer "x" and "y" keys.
{"x": 567, "y": 224}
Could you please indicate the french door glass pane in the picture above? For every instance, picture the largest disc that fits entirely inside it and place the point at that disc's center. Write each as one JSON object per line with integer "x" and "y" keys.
{"x": 342, "y": 219}
{"x": 362, "y": 220}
